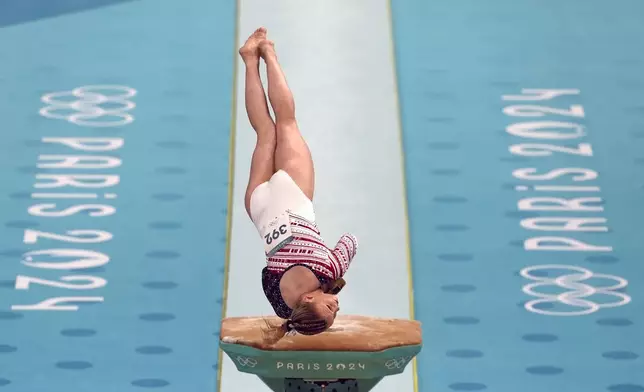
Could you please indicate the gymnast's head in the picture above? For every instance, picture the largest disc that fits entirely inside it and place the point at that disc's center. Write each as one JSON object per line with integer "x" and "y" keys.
{"x": 314, "y": 313}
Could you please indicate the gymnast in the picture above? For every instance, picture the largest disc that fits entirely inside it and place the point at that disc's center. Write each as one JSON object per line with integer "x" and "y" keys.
{"x": 302, "y": 275}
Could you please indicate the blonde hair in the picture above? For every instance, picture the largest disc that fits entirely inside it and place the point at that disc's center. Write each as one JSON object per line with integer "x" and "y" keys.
{"x": 304, "y": 320}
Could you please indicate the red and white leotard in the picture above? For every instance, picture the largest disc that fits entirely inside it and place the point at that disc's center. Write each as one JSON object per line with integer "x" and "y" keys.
{"x": 307, "y": 249}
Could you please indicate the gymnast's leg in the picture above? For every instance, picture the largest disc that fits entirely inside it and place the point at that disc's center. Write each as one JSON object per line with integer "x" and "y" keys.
{"x": 292, "y": 154}
{"x": 262, "y": 165}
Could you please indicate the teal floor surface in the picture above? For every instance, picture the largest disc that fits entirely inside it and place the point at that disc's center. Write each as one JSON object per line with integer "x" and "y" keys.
{"x": 135, "y": 300}
{"x": 489, "y": 168}
{"x": 524, "y": 204}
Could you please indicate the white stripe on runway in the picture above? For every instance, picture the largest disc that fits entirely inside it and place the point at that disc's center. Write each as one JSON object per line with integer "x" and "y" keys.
{"x": 337, "y": 56}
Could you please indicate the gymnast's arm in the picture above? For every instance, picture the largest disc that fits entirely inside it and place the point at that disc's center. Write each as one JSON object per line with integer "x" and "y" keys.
{"x": 344, "y": 251}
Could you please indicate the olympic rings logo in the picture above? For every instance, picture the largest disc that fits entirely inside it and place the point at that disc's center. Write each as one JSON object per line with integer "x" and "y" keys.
{"x": 578, "y": 294}
{"x": 397, "y": 363}
{"x": 246, "y": 362}
{"x": 91, "y": 106}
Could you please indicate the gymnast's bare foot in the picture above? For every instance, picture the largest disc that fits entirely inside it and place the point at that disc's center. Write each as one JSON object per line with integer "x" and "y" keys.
{"x": 250, "y": 50}
{"x": 266, "y": 48}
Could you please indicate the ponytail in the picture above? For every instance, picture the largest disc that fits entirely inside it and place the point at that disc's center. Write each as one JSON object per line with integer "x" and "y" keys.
{"x": 304, "y": 320}
{"x": 273, "y": 332}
